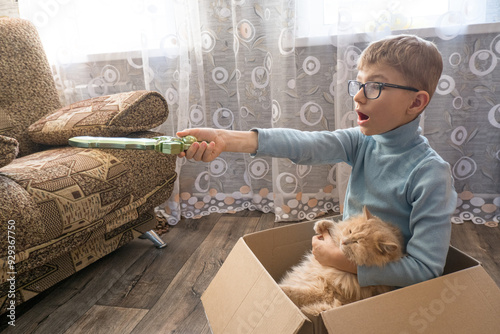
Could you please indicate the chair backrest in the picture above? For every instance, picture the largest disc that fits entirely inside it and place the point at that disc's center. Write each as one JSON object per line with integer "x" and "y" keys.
{"x": 27, "y": 88}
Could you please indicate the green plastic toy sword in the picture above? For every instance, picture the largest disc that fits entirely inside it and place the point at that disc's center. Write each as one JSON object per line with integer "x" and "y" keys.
{"x": 162, "y": 144}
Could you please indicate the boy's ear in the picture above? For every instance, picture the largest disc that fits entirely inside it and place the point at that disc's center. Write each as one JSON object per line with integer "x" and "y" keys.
{"x": 419, "y": 103}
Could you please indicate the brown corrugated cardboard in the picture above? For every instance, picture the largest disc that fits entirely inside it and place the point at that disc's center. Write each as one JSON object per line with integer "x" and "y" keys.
{"x": 245, "y": 298}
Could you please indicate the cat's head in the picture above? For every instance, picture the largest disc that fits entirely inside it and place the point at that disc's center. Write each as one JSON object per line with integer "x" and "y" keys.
{"x": 367, "y": 240}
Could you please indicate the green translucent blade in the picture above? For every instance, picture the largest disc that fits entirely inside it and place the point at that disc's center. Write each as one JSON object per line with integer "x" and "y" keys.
{"x": 114, "y": 142}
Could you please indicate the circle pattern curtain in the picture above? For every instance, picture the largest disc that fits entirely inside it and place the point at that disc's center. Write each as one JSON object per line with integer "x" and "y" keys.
{"x": 241, "y": 64}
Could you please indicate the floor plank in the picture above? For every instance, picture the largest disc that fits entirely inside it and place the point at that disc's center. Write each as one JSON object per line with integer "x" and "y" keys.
{"x": 182, "y": 297}
{"x": 107, "y": 320}
{"x": 73, "y": 297}
{"x": 143, "y": 284}
{"x": 482, "y": 243}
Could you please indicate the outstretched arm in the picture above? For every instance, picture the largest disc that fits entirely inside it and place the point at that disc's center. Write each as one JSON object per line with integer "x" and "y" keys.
{"x": 216, "y": 141}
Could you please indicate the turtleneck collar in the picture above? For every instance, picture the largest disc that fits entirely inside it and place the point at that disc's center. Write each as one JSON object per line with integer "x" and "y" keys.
{"x": 401, "y": 136}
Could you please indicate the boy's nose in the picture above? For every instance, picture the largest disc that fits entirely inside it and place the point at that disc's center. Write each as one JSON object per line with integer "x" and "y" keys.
{"x": 360, "y": 96}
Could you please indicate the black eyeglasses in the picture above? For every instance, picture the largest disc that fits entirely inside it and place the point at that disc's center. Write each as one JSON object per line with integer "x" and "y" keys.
{"x": 372, "y": 89}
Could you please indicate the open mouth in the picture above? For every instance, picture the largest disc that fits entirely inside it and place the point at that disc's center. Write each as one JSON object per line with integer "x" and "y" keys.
{"x": 362, "y": 117}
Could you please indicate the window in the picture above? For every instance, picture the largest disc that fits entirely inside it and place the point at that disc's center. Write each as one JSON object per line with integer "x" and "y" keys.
{"x": 93, "y": 27}
{"x": 322, "y": 18}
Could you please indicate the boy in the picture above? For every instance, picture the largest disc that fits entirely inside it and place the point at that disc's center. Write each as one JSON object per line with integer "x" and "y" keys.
{"x": 395, "y": 173}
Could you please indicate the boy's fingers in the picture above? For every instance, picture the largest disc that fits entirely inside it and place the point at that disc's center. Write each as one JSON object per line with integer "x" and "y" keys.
{"x": 316, "y": 240}
{"x": 199, "y": 151}
{"x": 182, "y": 133}
{"x": 207, "y": 154}
{"x": 201, "y": 147}
{"x": 318, "y": 237}
{"x": 189, "y": 154}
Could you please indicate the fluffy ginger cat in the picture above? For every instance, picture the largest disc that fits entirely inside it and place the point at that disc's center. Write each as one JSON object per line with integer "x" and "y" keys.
{"x": 365, "y": 240}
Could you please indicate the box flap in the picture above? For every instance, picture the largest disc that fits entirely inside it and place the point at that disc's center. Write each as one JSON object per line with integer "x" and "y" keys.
{"x": 244, "y": 298}
{"x": 467, "y": 301}
{"x": 458, "y": 260}
{"x": 280, "y": 248}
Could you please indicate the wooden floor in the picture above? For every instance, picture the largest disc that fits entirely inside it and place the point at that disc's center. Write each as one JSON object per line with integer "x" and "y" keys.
{"x": 141, "y": 289}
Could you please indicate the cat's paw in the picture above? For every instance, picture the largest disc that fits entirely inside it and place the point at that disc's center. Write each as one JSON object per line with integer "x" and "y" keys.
{"x": 293, "y": 293}
{"x": 322, "y": 226}
{"x": 337, "y": 303}
{"x": 286, "y": 289}
{"x": 316, "y": 309}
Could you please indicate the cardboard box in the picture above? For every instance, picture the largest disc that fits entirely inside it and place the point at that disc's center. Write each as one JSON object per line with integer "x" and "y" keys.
{"x": 245, "y": 298}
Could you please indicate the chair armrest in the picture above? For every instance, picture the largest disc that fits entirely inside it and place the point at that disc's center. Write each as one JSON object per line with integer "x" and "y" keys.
{"x": 108, "y": 116}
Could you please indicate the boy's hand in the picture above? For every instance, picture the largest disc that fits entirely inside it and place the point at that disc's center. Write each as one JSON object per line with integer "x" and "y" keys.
{"x": 215, "y": 141}
{"x": 210, "y": 147}
{"x": 328, "y": 254}
{"x": 324, "y": 249}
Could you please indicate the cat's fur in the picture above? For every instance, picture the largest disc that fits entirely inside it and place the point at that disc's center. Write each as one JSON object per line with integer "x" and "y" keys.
{"x": 365, "y": 240}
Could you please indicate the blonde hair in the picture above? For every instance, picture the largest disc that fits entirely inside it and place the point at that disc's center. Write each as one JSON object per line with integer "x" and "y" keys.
{"x": 418, "y": 60}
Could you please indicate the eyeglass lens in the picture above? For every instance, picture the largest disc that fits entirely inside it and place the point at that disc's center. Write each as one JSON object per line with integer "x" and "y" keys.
{"x": 371, "y": 89}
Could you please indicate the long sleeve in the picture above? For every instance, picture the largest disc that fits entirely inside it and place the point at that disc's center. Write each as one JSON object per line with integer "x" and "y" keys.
{"x": 322, "y": 147}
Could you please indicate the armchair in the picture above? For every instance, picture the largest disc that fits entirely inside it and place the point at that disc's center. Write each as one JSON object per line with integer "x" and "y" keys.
{"x": 63, "y": 208}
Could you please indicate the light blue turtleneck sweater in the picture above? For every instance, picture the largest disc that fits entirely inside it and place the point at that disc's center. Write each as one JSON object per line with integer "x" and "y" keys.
{"x": 400, "y": 179}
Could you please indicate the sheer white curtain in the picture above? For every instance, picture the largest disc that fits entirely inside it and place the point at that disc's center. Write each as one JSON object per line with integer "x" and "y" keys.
{"x": 239, "y": 64}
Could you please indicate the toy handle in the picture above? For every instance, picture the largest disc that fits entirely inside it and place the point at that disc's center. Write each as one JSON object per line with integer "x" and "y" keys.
{"x": 175, "y": 145}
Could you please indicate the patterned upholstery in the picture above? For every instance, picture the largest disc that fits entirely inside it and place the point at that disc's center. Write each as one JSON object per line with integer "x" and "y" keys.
{"x": 107, "y": 116}
{"x": 9, "y": 149}
{"x": 27, "y": 89}
{"x": 70, "y": 206}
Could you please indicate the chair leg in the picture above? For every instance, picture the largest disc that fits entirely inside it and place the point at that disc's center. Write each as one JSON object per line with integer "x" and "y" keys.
{"x": 155, "y": 239}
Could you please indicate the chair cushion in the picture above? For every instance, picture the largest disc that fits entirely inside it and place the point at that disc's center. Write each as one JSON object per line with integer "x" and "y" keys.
{"x": 9, "y": 148}
{"x": 107, "y": 116}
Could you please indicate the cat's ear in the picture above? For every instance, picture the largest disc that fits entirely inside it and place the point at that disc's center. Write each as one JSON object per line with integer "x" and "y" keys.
{"x": 387, "y": 247}
{"x": 367, "y": 213}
